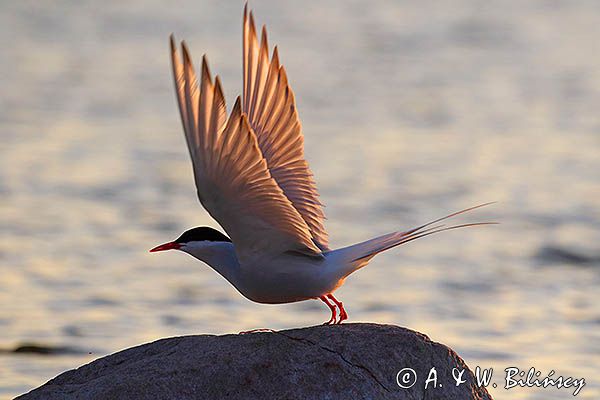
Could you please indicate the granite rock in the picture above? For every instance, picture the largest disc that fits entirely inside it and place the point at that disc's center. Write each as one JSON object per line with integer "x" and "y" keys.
{"x": 349, "y": 361}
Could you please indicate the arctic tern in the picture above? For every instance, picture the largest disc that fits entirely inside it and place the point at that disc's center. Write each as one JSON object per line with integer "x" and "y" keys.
{"x": 251, "y": 176}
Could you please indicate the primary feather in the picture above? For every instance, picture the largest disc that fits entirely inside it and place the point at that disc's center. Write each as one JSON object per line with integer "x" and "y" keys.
{"x": 269, "y": 102}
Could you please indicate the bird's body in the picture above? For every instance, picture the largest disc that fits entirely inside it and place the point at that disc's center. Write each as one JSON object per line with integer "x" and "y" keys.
{"x": 302, "y": 278}
{"x": 251, "y": 176}
{"x": 283, "y": 278}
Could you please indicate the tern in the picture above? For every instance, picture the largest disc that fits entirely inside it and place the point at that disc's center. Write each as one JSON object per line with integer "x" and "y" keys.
{"x": 251, "y": 176}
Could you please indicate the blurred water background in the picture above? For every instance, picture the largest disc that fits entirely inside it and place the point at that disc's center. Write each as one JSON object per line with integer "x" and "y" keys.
{"x": 410, "y": 110}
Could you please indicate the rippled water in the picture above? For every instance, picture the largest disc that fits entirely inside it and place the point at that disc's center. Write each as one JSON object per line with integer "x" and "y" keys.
{"x": 410, "y": 110}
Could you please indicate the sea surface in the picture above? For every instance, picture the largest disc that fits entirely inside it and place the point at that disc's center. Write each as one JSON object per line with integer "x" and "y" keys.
{"x": 411, "y": 110}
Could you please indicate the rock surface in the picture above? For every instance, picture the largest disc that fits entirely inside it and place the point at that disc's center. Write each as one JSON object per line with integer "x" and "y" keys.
{"x": 349, "y": 361}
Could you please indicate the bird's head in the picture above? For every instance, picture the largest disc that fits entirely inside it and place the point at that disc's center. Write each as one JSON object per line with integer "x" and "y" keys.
{"x": 195, "y": 240}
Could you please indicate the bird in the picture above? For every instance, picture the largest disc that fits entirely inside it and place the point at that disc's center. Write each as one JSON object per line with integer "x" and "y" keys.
{"x": 252, "y": 177}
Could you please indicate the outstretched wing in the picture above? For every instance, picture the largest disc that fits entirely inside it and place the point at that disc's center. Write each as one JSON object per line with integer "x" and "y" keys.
{"x": 231, "y": 174}
{"x": 269, "y": 102}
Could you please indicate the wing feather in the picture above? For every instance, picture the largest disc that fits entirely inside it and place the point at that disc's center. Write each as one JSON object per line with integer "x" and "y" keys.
{"x": 269, "y": 103}
{"x": 232, "y": 178}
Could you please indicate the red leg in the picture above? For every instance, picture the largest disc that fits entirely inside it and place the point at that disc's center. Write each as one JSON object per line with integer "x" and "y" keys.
{"x": 332, "y": 308}
{"x": 343, "y": 313}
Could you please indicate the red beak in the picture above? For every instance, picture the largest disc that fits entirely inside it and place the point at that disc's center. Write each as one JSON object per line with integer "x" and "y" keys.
{"x": 166, "y": 246}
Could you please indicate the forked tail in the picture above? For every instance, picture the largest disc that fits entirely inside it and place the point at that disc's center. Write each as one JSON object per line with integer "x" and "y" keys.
{"x": 360, "y": 253}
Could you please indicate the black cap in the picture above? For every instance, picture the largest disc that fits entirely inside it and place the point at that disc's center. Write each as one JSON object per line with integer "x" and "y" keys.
{"x": 202, "y": 233}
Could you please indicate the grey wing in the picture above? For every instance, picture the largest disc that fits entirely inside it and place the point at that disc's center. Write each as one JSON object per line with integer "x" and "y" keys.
{"x": 233, "y": 181}
{"x": 269, "y": 102}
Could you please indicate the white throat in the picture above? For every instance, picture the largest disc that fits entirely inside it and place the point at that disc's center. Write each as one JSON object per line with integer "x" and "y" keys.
{"x": 220, "y": 256}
